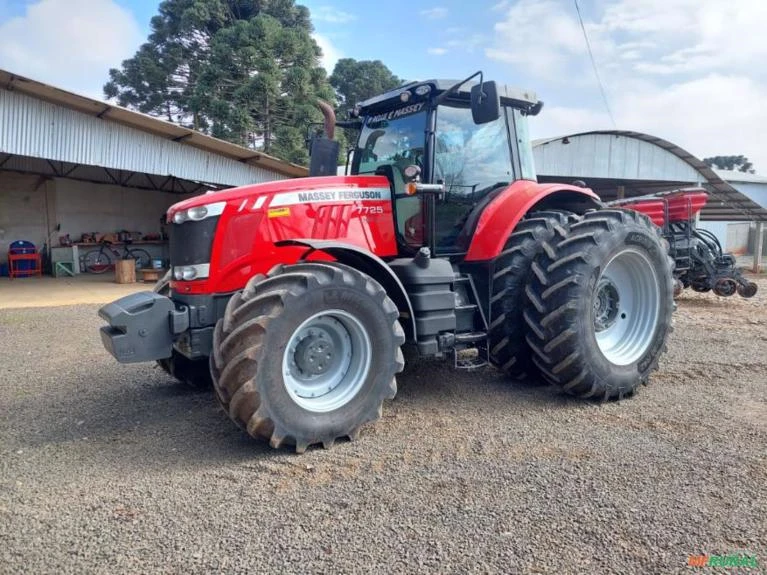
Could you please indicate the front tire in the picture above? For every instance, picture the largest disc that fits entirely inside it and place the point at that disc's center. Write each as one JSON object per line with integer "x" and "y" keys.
{"x": 599, "y": 305}
{"x": 307, "y": 354}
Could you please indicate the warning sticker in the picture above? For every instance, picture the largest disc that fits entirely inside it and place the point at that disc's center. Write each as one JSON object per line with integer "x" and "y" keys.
{"x": 278, "y": 212}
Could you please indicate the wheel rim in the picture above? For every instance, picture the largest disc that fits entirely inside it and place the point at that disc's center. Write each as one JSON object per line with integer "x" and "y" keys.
{"x": 749, "y": 290}
{"x": 725, "y": 287}
{"x": 626, "y": 307}
{"x": 327, "y": 361}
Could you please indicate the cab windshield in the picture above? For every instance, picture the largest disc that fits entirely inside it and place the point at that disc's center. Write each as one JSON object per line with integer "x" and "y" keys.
{"x": 394, "y": 138}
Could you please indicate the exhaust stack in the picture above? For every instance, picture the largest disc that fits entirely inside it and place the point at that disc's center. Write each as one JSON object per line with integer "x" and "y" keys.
{"x": 324, "y": 151}
{"x": 329, "y": 116}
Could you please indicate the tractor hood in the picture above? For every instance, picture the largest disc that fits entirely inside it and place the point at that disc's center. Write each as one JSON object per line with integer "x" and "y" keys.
{"x": 219, "y": 240}
{"x": 238, "y": 196}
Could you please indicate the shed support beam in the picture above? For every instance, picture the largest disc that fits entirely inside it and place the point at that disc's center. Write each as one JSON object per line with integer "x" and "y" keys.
{"x": 758, "y": 243}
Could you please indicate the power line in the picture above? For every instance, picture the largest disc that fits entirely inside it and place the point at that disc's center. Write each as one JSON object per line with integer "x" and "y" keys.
{"x": 594, "y": 65}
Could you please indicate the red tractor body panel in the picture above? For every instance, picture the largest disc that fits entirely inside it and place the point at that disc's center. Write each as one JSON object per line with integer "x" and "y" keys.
{"x": 502, "y": 215}
{"x": 355, "y": 210}
{"x": 654, "y": 209}
{"x": 679, "y": 206}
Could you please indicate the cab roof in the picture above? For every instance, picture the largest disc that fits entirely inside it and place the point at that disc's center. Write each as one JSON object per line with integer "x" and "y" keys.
{"x": 510, "y": 96}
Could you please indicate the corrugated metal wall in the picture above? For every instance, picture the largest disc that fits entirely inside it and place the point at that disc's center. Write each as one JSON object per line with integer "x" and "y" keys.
{"x": 31, "y": 127}
{"x": 23, "y": 208}
{"x": 611, "y": 156}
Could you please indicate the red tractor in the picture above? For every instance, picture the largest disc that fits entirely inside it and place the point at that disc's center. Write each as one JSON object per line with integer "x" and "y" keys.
{"x": 296, "y": 296}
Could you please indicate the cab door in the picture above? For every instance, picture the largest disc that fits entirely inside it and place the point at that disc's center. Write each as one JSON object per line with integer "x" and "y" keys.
{"x": 474, "y": 162}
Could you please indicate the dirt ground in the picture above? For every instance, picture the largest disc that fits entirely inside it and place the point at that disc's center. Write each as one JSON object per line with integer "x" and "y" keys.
{"x": 108, "y": 468}
{"x": 47, "y": 291}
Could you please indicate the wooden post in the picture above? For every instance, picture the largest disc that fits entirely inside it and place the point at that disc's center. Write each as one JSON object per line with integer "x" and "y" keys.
{"x": 621, "y": 192}
{"x": 125, "y": 271}
{"x": 758, "y": 243}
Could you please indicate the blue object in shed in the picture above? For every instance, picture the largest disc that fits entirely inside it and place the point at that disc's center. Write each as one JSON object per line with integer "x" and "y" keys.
{"x": 22, "y": 247}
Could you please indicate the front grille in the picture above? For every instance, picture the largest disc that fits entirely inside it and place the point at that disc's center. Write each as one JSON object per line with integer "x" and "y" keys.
{"x": 190, "y": 243}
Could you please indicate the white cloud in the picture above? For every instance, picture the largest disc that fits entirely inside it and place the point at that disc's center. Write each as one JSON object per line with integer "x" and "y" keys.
{"x": 562, "y": 120}
{"x": 712, "y": 115}
{"x": 538, "y": 36}
{"x": 332, "y": 15}
{"x": 434, "y": 13}
{"x": 69, "y": 43}
{"x": 437, "y": 51}
{"x": 330, "y": 54}
{"x": 689, "y": 71}
{"x": 468, "y": 43}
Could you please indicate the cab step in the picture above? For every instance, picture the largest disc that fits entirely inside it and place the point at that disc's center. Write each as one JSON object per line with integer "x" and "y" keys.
{"x": 471, "y": 350}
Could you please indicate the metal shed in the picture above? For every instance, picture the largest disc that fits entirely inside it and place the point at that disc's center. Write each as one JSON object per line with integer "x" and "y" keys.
{"x": 619, "y": 162}
{"x": 73, "y": 165}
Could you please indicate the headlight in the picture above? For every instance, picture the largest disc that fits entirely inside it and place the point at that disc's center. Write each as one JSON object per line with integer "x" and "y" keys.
{"x": 193, "y": 272}
{"x": 185, "y": 273}
{"x": 198, "y": 213}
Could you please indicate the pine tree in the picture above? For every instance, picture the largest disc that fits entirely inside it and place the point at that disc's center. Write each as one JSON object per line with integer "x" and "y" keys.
{"x": 246, "y": 71}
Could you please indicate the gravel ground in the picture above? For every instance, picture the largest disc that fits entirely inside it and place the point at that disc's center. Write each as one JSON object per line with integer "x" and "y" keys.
{"x": 108, "y": 468}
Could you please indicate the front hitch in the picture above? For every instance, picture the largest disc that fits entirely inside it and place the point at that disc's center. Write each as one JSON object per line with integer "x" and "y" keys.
{"x": 141, "y": 327}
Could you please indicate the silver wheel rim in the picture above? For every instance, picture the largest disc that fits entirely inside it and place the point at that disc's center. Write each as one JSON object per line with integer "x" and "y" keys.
{"x": 626, "y": 307}
{"x": 327, "y": 361}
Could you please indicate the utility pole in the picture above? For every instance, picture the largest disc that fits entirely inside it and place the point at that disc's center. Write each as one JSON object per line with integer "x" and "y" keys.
{"x": 758, "y": 243}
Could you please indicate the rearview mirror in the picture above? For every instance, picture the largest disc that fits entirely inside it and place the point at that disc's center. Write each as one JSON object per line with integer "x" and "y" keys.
{"x": 485, "y": 104}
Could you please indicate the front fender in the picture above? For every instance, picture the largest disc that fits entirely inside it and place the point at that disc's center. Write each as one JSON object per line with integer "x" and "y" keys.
{"x": 368, "y": 263}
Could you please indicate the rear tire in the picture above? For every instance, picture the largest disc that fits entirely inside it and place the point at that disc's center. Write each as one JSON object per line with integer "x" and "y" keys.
{"x": 192, "y": 372}
{"x": 599, "y": 305}
{"x": 509, "y": 351}
{"x": 273, "y": 332}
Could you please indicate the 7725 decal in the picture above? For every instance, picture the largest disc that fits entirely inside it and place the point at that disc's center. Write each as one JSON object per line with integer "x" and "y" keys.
{"x": 367, "y": 210}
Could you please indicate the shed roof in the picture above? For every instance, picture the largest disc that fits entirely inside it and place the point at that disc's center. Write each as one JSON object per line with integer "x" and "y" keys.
{"x": 148, "y": 124}
{"x": 650, "y": 164}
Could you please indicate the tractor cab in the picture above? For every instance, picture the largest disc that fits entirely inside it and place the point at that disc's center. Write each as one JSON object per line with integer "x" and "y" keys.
{"x": 447, "y": 148}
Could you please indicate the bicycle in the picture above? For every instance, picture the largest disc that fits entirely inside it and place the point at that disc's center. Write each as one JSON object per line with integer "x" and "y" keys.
{"x": 100, "y": 260}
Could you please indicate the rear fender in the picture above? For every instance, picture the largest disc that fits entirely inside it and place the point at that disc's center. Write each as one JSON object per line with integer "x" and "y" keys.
{"x": 369, "y": 264}
{"x": 504, "y": 212}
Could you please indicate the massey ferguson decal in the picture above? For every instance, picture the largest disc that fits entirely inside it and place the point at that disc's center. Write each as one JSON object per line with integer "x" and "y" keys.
{"x": 398, "y": 113}
{"x": 338, "y": 195}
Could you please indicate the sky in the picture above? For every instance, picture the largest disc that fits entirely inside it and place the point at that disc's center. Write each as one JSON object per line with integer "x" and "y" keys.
{"x": 689, "y": 71}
